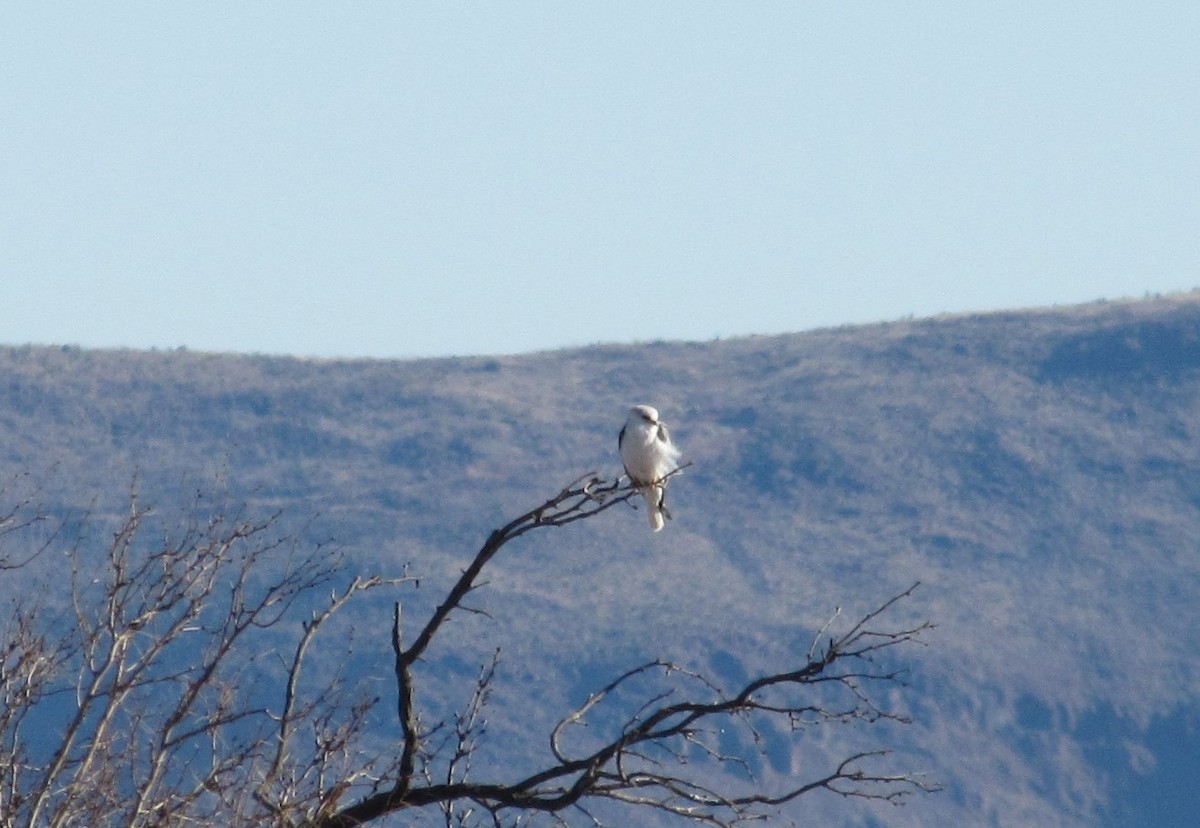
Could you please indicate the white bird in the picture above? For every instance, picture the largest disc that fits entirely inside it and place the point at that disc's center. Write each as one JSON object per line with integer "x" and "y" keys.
{"x": 648, "y": 456}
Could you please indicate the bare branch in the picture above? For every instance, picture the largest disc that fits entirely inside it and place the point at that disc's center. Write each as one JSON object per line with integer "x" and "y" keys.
{"x": 623, "y": 770}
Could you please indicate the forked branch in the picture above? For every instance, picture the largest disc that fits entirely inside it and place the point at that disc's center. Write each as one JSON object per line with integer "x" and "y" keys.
{"x": 643, "y": 762}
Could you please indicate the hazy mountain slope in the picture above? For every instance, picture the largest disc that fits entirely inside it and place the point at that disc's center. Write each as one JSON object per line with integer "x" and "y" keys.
{"x": 1038, "y": 472}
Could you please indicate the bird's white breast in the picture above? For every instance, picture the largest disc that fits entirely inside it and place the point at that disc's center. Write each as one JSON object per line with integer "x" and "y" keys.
{"x": 646, "y": 458}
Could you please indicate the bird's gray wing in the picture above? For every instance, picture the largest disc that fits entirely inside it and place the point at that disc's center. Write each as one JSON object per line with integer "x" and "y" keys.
{"x": 620, "y": 441}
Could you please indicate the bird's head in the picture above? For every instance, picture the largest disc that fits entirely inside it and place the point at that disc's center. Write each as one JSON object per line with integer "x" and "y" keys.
{"x": 643, "y": 415}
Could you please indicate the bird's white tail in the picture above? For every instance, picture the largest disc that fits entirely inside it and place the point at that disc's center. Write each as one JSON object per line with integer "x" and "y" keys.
{"x": 654, "y": 506}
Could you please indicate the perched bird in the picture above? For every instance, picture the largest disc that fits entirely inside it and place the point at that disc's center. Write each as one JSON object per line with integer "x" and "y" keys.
{"x": 648, "y": 456}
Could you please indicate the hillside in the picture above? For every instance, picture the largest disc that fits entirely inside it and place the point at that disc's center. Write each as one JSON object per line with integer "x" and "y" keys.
{"x": 1037, "y": 471}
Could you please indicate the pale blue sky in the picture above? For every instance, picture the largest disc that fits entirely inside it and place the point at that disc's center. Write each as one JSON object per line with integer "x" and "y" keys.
{"x": 397, "y": 179}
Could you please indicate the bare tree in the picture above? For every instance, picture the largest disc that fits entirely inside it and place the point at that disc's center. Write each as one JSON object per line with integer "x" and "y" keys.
{"x": 128, "y": 704}
{"x": 155, "y": 697}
